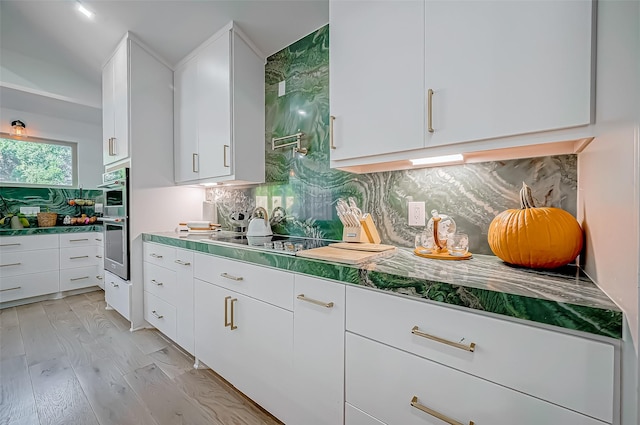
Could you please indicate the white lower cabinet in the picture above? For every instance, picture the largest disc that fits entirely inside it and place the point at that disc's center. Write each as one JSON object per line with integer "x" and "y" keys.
{"x": 168, "y": 292}
{"x": 29, "y": 266}
{"x": 556, "y": 369}
{"x": 28, "y": 285}
{"x": 318, "y": 351}
{"x": 246, "y": 340}
{"x": 401, "y": 388}
{"x": 117, "y": 294}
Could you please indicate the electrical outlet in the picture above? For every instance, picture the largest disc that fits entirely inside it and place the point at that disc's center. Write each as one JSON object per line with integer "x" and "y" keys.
{"x": 289, "y": 203}
{"x": 276, "y": 202}
{"x": 262, "y": 201}
{"x": 416, "y": 213}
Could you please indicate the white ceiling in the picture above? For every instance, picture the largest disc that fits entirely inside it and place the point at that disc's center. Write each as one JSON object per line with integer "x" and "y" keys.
{"x": 53, "y": 32}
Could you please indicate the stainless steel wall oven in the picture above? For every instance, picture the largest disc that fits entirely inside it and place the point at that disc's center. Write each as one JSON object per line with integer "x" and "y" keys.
{"x": 115, "y": 221}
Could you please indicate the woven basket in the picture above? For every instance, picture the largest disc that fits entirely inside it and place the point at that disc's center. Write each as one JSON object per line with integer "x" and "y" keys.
{"x": 47, "y": 219}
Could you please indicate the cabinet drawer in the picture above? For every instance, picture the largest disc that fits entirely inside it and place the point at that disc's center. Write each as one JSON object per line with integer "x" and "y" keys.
{"x": 266, "y": 284}
{"x": 80, "y": 277}
{"x": 383, "y": 381}
{"x": 27, "y": 243}
{"x": 80, "y": 239}
{"x": 80, "y": 256}
{"x": 162, "y": 255}
{"x": 160, "y": 314}
{"x": 17, "y": 263}
{"x": 567, "y": 370}
{"x": 117, "y": 294}
{"x": 355, "y": 416}
{"x": 161, "y": 282}
{"x": 28, "y": 285}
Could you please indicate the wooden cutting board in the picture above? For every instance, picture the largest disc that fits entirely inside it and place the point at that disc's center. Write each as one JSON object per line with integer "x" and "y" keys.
{"x": 339, "y": 255}
{"x": 372, "y": 247}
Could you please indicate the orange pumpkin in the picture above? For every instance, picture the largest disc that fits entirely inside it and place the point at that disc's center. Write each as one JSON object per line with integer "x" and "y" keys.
{"x": 535, "y": 237}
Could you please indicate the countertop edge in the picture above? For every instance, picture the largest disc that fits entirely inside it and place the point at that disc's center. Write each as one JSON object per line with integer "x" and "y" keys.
{"x": 593, "y": 320}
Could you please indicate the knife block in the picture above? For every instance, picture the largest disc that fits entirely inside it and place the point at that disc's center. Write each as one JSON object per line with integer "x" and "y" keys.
{"x": 354, "y": 234}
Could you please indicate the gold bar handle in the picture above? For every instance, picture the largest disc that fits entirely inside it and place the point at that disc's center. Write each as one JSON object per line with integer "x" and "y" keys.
{"x": 110, "y": 146}
{"x": 471, "y": 347}
{"x": 154, "y": 255}
{"x": 78, "y": 240}
{"x": 79, "y": 278}
{"x": 78, "y": 257}
{"x": 10, "y": 264}
{"x": 226, "y": 312}
{"x": 155, "y": 282}
{"x": 99, "y": 277}
{"x": 194, "y": 162}
{"x": 158, "y": 316}
{"x": 182, "y": 263}
{"x": 425, "y": 409}
{"x": 98, "y": 240}
{"x": 115, "y": 285}
{"x": 233, "y": 327}
{"x": 115, "y": 146}
{"x": 98, "y": 256}
{"x": 9, "y": 244}
{"x": 224, "y": 152}
{"x": 11, "y": 289}
{"x": 316, "y": 302}
{"x": 331, "y": 120}
{"x": 228, "y": 276}
{"x": 430, "y": 111}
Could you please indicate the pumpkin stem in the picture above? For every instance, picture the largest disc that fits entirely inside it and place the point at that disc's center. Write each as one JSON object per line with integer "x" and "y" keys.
{"x": 526, "y": 198}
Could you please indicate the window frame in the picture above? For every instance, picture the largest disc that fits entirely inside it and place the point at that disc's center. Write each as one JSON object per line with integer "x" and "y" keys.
{"x": 30, "y": 139}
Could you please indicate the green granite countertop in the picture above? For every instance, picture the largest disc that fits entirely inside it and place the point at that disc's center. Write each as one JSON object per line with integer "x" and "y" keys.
{"x": 50, "y": 230}
{"x": 566, "y": 298}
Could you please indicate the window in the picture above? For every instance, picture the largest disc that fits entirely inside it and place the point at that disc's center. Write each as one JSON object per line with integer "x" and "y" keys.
{"x": 34, "y": 161}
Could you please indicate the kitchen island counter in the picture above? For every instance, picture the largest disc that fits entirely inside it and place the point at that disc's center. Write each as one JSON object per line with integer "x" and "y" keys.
{"x": 565, "y": 297}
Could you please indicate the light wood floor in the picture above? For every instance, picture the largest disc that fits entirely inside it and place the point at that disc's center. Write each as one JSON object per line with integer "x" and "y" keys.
{"x": 70, "y": 361}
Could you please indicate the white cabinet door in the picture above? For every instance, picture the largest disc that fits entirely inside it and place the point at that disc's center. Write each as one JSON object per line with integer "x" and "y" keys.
{"x": 183, "y": 266}
{"x": 377, "y": 77}
{"x": 115, "y": 106}
{"x": 121, "y": 102}
{"x": 117, "y": 294}
{"x": 318, "y": 355}
{"x": 107, "y": 112}
{"x": 214, "y": 107}
{"x": 251, "y": 346}
{"x": 215, "y": 343}
{"x": 186, "y": 120}
{"x": 501, "y": 68}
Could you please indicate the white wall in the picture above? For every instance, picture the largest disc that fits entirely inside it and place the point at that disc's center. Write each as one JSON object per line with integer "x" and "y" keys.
{"x": 32, "y": 75}
{"x": 609, "y": 182}
{"x": 87, "y": 135}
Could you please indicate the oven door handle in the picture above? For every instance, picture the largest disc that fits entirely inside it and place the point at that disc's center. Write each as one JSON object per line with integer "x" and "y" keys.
{"x": 112, "y": 220}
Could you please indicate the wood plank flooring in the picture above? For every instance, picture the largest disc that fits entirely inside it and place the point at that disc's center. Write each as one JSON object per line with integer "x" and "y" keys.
{"x": 70, "y": 361}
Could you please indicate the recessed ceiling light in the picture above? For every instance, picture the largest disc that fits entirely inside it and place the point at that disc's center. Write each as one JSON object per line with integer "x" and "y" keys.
{"x": 457, "y": 158}
{"x": 86, "y": 12}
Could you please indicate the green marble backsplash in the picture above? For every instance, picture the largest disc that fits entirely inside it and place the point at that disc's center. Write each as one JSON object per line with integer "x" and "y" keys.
{"x": 307, "y": 188}
{"x": 48, "y": 199}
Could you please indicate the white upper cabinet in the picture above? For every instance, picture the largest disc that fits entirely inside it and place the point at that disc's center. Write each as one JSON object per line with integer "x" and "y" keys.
{"x": 497, "y": 69}
{"x": 376, "y": 77}
{"x": 219, "y": 111}
{"x": 115, "y": 106}
{"x": 502, "y": 68}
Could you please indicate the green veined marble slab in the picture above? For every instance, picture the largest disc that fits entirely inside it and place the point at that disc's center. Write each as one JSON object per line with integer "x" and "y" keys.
{"x": 50, "y": 230}
{"x": 565, "y": 298}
